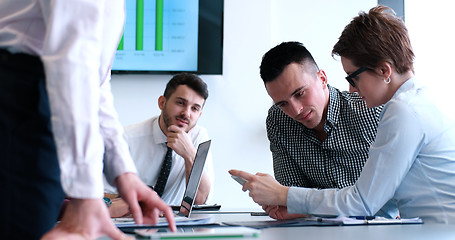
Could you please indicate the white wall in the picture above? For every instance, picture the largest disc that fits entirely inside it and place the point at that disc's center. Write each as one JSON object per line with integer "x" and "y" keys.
{"x": 317, "y": 24}
{"x": 237, "y": 106}
{"x": 431, "y": 28}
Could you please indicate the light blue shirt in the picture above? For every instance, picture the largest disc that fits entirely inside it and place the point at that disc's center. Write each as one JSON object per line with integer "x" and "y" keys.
{"x": 411, "y": 162}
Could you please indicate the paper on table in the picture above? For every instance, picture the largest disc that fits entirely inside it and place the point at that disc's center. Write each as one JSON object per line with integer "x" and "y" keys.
{"x": 323, "y": 221}
{"x": 376, "y": 220}
{"x": 298, "y": 222}
{"x": 379, "y": 220}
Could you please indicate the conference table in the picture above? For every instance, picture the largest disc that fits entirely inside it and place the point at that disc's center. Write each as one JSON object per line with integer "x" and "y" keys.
{"x": 379, "y": 232}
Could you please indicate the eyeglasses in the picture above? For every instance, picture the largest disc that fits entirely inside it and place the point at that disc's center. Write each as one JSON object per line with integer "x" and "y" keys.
{"x": 351, "y": 76}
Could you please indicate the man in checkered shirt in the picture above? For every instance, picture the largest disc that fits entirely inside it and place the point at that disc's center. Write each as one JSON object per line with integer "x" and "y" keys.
{"x": 319, "y": 136}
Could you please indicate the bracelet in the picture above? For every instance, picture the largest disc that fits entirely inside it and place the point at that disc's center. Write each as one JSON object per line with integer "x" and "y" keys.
{"x": 108, "y": 201}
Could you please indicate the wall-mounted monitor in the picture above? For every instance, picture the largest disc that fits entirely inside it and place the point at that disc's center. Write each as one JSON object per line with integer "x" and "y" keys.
{"x": 168, "y": 36}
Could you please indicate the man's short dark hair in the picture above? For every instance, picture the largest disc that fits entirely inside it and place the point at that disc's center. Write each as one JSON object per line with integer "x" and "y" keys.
{"x": 191, "y": 80}
{"x": 277, "y": 58}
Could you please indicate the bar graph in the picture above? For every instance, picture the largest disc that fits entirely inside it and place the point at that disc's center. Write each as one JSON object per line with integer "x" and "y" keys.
{"x": 139, "y": 25}
{"x": 120, "y": 45}
{"x": 159, "y": 32}
{"x": 159, "y": 26}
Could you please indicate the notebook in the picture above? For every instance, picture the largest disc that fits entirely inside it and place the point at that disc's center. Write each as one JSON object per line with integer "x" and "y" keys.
{"x": 194, "y": 180}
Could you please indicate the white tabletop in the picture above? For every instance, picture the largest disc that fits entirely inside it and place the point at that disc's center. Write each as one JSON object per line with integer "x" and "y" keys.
{"x": 380, "y": 232}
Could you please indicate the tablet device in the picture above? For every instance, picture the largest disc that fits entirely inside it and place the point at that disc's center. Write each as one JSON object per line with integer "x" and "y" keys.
{"x": 239, "y": 179}
{"x": 197, "y": 232}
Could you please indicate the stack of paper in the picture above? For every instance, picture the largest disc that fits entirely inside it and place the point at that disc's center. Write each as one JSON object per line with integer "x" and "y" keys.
{"x": 359, "y": 220}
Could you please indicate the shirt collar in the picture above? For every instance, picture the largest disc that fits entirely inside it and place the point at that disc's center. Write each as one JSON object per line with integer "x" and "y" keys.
{"x": 333, "y": 110}
{"x": 406, "y": 86}
{"x": 158, "y": 135}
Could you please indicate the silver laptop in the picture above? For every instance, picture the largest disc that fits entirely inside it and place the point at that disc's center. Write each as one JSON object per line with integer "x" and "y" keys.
{"x": 195, "y": 179}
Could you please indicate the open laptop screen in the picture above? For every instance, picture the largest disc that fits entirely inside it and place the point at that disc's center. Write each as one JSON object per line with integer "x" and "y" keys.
{"x": 195, "y": 178}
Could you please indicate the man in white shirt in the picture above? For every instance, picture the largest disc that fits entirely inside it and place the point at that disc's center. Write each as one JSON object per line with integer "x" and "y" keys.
{"x": 58, "y": 123}
{"x": 181, "y": 106}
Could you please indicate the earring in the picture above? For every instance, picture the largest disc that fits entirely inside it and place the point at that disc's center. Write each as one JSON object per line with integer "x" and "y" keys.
{"x": 388, "y": 80}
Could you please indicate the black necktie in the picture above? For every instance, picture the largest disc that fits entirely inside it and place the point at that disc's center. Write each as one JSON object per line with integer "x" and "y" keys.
{"x": 164, "y": 173}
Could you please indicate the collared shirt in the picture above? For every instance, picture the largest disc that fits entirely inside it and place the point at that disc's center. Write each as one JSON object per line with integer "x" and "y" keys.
{"x": 300, "y": 159}
{"x": 412, "y": 162}
{"x": 147, "y": 145}
{"x": 76, "y": 41}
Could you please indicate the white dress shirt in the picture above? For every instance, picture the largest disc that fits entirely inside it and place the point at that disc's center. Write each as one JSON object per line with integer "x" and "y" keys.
{"x": 412, "y": 162}
{"x": 148, "y": 147}
{"x": 76, "y": 40}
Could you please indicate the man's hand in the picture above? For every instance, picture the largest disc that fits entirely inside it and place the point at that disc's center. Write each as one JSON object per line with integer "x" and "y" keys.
{"x": 118, "y": 208}
{"x": 281, "y": 212}
{"x": 264, "y": 189}
{"x": 181, "y": 143}
{"x": 144, "y": 203}
{"x": 85, "y": 219}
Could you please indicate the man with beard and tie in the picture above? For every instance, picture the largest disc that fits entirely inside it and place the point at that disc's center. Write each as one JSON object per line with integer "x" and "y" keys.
{"x": 174, "y": 129}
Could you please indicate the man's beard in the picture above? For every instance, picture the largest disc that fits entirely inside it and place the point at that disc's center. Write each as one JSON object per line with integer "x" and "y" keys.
{"x": 168, "y": 120}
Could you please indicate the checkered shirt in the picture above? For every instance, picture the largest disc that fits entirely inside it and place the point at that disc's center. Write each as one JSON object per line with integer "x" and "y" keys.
{"x": 300, "y": 159}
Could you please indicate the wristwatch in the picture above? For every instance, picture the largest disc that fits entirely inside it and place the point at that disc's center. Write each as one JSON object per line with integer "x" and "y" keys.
{"x": 108, "y": 201}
